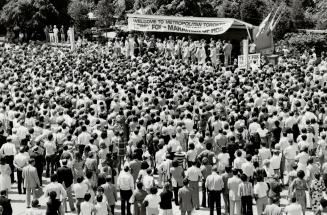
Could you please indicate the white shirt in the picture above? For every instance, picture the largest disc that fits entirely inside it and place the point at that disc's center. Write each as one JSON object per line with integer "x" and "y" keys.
{"x": 248, "y": 169}
{"x": 80, "y": 189}
{"x": 8, "y": 149}
{"x": 261, "y": 189}
{"x": 293, "y": 209}
{"x": 21, "y": 160}
{"x": 153, "y": 200}
{"x": 125, "y": 181}
{"x": 291, "y": 151}
{"x": 193, "y": 173}
{"x": 101, "y": 208}
{"x": 174, "y": 144}
{"x": 58, "y": 188}
{"x": 87, "y": 208}
{"x": 275, "y": 161}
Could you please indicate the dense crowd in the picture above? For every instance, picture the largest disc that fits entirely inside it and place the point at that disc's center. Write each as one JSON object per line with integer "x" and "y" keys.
{"x": 106, "y": 119}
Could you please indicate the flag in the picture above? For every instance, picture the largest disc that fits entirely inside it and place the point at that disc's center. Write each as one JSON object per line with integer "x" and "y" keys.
{"x": 274, "y": 22}
{"x": 263, "y": 24}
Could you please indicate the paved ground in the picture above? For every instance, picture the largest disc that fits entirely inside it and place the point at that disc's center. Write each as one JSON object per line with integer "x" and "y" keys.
{"x": 19, "y": 204}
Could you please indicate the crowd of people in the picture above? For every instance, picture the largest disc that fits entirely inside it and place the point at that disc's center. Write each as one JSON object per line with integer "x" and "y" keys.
{"x": 108, "y": 119}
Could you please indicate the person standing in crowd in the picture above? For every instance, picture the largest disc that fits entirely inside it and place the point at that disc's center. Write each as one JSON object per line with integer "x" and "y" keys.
{"x": 20, "y": 161}
{"x": 80, "y": 189}
{"x": 261, "y": 194}
{"x": 55, "y": 34}
{"x": 316, "y": 190}
{"x": 186, "y": 202}
{"x": 31, "y": 181}
{"x": 50, "y": 154}
{"x": 226, "y": 176}
{"x": 177, "y": 176}
{"x": 5, "y": 203}
{"x": 138, "y": 198}
{"x": 206, "y": 170}
{"x": 8, "y": 151}
{"x": 193, "y": 174}
{"x": 62, "y": 34}
{"x": 298, "y": 188}
{"x": 215, "y": 185}
{"x": 53, "y": 205}
{"x": 87, "y": 207}
{"x": 56, "y": 187}
{"x": 166, "y": 197}
{"x": 273, "y": 208}
{"x": 152, "y": 201}
{"x": 294, "y": 208}
{"x": 111, "y": 193}
{"x": 245, "y": 191}
{"x": 46, "y": 33}
{"x": 125, "y": 184}
{"x": 65, "y": 177}
{"x": 5, "y": 171}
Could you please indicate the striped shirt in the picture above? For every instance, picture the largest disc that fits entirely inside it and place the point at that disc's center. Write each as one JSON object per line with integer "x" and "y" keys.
{"x": 245, "y": 189}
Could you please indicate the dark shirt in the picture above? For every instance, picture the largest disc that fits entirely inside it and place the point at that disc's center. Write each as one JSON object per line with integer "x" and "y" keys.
{"x": 53, "y": 207}
{"x": 6, "y": 205}
{"x": 166, "y": 198}
{"x": 65, "y": 174}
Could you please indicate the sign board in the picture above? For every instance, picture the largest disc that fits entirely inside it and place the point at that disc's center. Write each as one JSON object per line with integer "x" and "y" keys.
{"x": 192, "y": 25}
{"x": 251, "y": 59}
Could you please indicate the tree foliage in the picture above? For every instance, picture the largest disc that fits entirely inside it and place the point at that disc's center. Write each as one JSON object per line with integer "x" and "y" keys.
{"x": 105, "y": 13}
{"x": 78, "y": 11}
{"x": 28, "y": 15}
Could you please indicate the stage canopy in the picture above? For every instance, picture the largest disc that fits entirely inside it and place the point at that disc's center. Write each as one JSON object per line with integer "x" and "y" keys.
{"x": 189, "y": 25}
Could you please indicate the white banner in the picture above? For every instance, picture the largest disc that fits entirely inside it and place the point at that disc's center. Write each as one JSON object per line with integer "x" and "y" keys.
{"x": 193, "y": 25}
{"x": 252, "y": 58}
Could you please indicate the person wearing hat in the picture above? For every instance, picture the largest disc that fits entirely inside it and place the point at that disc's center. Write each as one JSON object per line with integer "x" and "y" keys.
{"x": 215, "y": 185}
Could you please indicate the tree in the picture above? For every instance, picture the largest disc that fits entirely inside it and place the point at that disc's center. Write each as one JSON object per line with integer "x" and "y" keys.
{"x": 78, "y": 11}
{"x": 104, "y": 13}
{"x": 28, "y": 15}
{"x": 297, "y": 14}
{"x": 252, "y": 11}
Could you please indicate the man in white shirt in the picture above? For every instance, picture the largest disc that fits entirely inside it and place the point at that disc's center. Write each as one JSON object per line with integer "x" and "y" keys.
{"x": 193, "y": 174}
{"x": 264, "y": 152}
{"x": 247, "y": 167}
{"x": 56, "y": 187}
{"x": 173, "y": 143}
{"x": 50, "y": 154}
{"x": 294, "y": 208}
{"x": 275, "y": 162}
{"x": 261, "y": 194}
{"x": 83, "y": 139}
{"x": 80, "y": 189}
{"x": 125, "y": 184}
{"x": 8, "y": 150}
{"x": 290, "y": 153}
{"x": 20, "y": 161}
